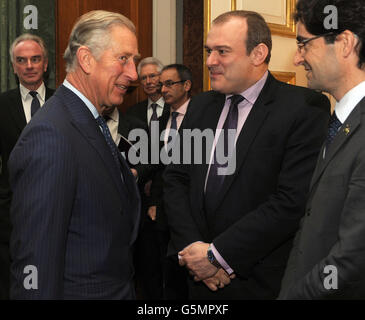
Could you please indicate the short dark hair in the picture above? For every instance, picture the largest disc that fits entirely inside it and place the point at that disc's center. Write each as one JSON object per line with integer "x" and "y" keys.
{"x": 183, "y": 71}
{"x": 257, "y": 29}
{"x": 351, "y": 16}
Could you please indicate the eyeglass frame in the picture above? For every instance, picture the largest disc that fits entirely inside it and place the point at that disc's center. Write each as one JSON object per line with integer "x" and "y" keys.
{"x": 301, "y": 44}
{"x": 170, "y": 84}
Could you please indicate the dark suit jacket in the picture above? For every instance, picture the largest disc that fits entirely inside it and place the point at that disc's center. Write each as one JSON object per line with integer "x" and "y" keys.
{"x": 260, "y": 205}
{"x": 12, "y": 122}
{"x": 332, "y": 232}
{"x": 156, "y": 198}
{"x": 73, "y": 217}
{"x": 139, "y": 111}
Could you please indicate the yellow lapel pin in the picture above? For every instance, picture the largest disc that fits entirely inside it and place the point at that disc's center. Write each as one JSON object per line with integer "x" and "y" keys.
{"x": 346, "y": 129}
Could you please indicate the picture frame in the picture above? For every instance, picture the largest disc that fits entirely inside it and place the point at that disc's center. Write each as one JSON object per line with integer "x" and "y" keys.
{"x": 287, "y": 77}
{"x": 280, "y": 20}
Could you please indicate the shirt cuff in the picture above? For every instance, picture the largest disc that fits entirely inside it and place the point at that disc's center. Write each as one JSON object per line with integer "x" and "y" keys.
{"x": 221, "y": 261}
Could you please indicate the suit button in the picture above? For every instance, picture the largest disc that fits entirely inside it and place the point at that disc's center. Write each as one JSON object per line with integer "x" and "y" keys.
{"x": 308, "y": 212}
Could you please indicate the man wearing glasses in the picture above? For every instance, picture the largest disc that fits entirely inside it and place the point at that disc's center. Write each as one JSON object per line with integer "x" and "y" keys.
{"x": 147, "y": 251}
{"x": 151, "y": 109}
{"x": 28, "y": 55}
{"x": 328, "y": 257}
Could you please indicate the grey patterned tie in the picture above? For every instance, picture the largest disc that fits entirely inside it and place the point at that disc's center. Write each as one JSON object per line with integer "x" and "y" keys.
{"x": 35, "y": 106}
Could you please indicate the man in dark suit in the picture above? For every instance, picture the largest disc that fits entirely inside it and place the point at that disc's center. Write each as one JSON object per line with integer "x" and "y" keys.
{"x": 176, "y": 84}
{"x": 232, "y": 224}
{"x": 328, "y": 257}
{"x": 147, "y": 111}
{"x": 75, "y": 208}
{"x": 29, "y": 57}
{"x": 149, "y": 70}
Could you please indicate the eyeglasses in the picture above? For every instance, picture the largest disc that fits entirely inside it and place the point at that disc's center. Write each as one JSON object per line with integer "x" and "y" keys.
{"x": 151, "y": 76}
{"x": 301, "y": 43}
{"x": 24, "y": 61}
{"x": 170, "y": 83}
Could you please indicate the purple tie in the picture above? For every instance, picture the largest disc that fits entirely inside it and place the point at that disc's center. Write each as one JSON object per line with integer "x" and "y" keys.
{"x": 215, "y": 181}
{"x": 154, "y": 116}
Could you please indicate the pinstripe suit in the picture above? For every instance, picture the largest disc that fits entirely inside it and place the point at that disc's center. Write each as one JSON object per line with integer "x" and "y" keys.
{"x": 74, "y": 219}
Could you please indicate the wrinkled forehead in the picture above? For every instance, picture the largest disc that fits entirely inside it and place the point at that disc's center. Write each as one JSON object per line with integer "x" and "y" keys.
{"x": 28, "y": 47}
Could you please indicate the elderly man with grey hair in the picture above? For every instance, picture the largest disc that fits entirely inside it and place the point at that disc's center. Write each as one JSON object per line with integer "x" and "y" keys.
{"x": 28, "y": 54}
{"x": 148, "y": 249}
{"x": 75, "y": 208}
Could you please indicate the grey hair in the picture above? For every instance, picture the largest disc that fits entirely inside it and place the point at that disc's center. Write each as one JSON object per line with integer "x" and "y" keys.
{"x": 149, "y": 60}
{"x": 26, "y": 37}
{"x": 92, "y": 30}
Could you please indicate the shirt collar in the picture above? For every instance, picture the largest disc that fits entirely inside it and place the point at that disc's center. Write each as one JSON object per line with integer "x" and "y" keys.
{"x": 114, "y": 115}
{"x": 349, "y": 101}
{"x": 90, "y": 106}
{"x": 24, "y": 92}
{"x": 160, "y": 102}
{"x": 182, "y": 109}
{"x": 251, "y": 94}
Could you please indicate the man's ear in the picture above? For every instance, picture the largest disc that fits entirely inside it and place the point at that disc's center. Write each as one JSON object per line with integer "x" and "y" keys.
{"x": 259, "y": 54}
{"x": 45, "y": 65}
{"x": 187, "y": 85}
{"x": 348, "y": 42}
{"x": 85, "y": 59}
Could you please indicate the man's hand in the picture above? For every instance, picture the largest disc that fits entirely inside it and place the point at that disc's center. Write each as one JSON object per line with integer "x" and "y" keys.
{"x": 147, "y": 188}
{"x": 152, "y": 212}
{"x": 219, "y": 280}
{"x": 134, "y": 172}
{"x": 194, "y": 257}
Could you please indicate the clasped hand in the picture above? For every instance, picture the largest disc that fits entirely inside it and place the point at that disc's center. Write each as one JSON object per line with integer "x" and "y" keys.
{"x": 194, "y": 257}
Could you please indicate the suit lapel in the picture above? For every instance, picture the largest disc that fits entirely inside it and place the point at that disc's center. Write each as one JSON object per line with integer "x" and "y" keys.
{"x": 210, "y": 121}
{"x": 16, "y": 109}
{"x": 346, "y": 131}
{"x": 249, "y": 131}
{"x": 84, "y": 122}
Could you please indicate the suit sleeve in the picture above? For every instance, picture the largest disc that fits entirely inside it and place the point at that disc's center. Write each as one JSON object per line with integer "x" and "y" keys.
{"x": 272, "y": 224}
{"x": 42, "y": 176}
{"x": 347, "y": 255}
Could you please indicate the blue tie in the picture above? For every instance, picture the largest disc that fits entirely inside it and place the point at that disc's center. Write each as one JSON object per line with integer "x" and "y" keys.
{"x": 35, "y": 106}
{"x": 333, "y": 127}
{"x": 113, "y": 147}
{"x": 215, "y": 181}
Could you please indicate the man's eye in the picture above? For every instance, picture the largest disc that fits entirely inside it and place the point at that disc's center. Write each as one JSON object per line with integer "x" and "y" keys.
{"x": 222, "y": 51}
{"x": 35, "y": 59}
{"x": 124, "y": 59}
{"x": 209, "y": 51}
{"x": 20, "y": 60}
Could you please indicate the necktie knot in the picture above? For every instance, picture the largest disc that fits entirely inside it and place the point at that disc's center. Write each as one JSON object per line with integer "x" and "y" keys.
{"x": 154, "y": 107}
{"x": 236, "y": 99}
{"x": 174, "y": 114}
{"x": 33, "y": 93}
